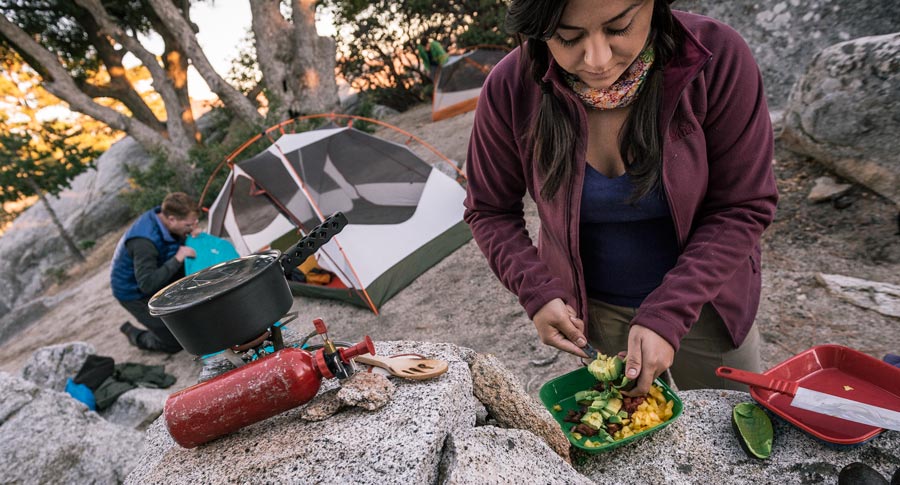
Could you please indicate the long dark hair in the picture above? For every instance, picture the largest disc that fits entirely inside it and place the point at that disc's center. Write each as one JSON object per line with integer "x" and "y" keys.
{"x": 553, "y": 129}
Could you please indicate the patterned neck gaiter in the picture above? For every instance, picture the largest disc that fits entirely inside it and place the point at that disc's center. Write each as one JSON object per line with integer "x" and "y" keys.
{"x": 622, "y": 92}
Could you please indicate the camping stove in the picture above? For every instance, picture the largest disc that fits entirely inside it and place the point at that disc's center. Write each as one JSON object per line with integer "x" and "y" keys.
{"x": 267, "y": 343}
{"x": 276, "y": 379}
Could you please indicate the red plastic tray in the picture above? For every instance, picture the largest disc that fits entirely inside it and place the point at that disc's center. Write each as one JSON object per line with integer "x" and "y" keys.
{"x": 828, "y": 368}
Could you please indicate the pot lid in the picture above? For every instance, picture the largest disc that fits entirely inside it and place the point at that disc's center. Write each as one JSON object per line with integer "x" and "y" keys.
{"x": 209, "y": 283}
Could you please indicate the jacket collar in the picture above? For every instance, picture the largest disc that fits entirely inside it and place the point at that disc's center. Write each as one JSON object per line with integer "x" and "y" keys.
{"x": 681, "y": 70}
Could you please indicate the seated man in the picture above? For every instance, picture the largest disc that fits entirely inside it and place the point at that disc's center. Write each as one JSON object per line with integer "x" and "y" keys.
{"x": 149, "y": 256}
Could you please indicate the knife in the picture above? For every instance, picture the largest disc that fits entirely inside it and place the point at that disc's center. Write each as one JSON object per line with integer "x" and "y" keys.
{"x": 590, "y": 351}
{"x": 819, "y": 402}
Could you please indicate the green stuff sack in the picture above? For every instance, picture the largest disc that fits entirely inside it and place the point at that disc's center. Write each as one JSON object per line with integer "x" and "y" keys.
{"x": 753, "y": 428}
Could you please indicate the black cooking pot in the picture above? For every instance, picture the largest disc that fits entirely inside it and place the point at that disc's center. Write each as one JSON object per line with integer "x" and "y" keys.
{"x": 234, "y": 302}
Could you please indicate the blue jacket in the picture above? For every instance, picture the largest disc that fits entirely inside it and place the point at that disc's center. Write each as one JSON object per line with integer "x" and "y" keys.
{"x": 123, "y": 280}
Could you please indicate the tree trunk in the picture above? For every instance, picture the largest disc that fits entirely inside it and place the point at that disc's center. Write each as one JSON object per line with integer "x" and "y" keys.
{"x": 313, "y": 63}
{"x": 176, "y": 65}
{"x": 298, "y": 65}
{"x": 273, "y": 36}
{"x": 62, "y": 230}
{"x": 181, "y": 30}
{"x": 181, "y": 135}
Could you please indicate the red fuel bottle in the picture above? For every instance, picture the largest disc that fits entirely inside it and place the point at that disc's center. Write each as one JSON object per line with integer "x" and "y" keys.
{"x": 256, "y": 391}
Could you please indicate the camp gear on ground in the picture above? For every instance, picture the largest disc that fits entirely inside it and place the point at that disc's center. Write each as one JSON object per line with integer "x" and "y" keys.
{"x": 313, "y": 273}
{"x": 128, "y": 376}
{"x": 839, "y": 370}
{"x": 256, "y": 391}
{"x": 81, "y": 393}
{"x": 459, "y": 81}
{"x": 406, "y": 214}
{"x": 234, "y": 302}
{"x": 210, "y": 250}
{"x": 94, "y": 371}
{"x": 827, "y": 403}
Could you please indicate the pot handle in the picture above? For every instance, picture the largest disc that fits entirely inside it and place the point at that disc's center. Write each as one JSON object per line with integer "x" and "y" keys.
{"x": 311, "y": 243}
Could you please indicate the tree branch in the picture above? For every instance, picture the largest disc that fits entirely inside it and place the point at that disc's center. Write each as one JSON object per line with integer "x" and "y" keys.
{"x": 60, "y": 84}
{"x": 176, "y": 128}
{"x": 120, "y": 87}
{"x": 176, "y": 66}
{"x": 181, "y": 30}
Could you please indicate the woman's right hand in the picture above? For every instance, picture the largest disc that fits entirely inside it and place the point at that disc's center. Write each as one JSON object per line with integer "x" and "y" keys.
{"x": 558, "y": 326}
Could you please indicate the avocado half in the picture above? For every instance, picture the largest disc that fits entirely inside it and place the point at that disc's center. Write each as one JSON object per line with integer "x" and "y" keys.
{"x": 607, "y": 368}
{"x": 753, "y": 428}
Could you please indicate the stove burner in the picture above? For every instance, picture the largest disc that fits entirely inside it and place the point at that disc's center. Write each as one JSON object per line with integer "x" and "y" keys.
{"x": 255, "y": 342}
{"x": 270, "y": 341}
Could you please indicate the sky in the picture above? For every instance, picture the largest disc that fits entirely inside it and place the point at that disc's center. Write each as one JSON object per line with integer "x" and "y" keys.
{"x": 223, "y": 24}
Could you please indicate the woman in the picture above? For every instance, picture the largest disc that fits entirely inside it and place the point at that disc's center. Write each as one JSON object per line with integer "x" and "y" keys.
{"x": 644, "y": 138}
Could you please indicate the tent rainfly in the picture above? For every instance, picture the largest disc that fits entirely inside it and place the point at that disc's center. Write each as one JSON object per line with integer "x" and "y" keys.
{"x": 459, "y": 81}
{"x": 404, "y": 215}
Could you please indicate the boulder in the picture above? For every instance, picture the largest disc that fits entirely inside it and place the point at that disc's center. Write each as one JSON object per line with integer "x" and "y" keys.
{"x": 491, "y": 455}
{"x": 137, "y": 408}
{"x": 428, "y": 433}
{"x": 508, "y": 403}
{"x": 825, "y": 189}
{"x": 90, "y": 209}
{"x": 786, "y": 34}
{"x": 48, "y": 437}
{"x": 883, "y": 298}
{"x": 843, "y": 112}
{"x": 49, "y": 367}
{"x": 399, "y": 443}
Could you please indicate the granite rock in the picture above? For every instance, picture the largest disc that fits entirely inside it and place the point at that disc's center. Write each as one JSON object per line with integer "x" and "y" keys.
{"x": 700, "y": 447}
{"x": 843, "y": 112}
{"x": 49, "y": 367}
{"x": 489, "y": 455}
{"x": 401, "y": 442}
{"x": 48, "y": 437}
{"x": 366, "y": 390}
{"x": 508, "y": 403}
{"x": 785, "y": 35}
{"x": 89, "y": 209}
{"x": 322, "y": 407}
{"x": 136, "y": 408}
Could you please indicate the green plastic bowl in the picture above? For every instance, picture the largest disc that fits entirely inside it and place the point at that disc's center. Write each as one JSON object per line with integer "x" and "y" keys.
{"x": 561, "y": 391}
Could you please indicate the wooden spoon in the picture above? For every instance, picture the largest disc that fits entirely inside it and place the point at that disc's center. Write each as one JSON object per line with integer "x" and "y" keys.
{"x": 406, "y": 367}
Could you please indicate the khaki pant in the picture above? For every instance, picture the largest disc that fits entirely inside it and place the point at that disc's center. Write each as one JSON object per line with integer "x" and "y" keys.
{"x": 706, "y": 347}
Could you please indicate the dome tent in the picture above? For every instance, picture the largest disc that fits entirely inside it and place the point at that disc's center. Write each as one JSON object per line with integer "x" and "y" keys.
{"x": 459, "y": 81}
{"x": 404, "y": 215}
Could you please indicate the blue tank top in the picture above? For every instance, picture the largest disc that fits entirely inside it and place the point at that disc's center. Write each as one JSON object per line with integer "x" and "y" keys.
{"x": 625, "y": 249}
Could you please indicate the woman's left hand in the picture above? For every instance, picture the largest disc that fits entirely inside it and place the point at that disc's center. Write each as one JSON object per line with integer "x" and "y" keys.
{"x": 649, "y": 355}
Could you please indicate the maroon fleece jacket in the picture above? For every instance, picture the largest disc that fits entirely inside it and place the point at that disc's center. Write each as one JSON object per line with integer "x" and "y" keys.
{"x": 717, "y": 176}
